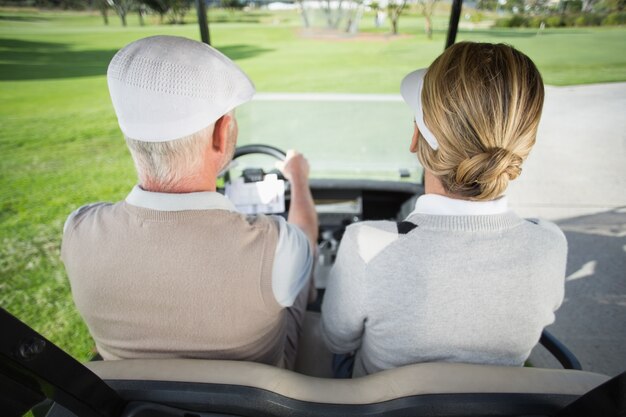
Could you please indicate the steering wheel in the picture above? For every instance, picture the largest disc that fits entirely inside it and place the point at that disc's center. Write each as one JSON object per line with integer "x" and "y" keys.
{"x": 256, "y": 174}
{"x": 255, "y": 149}
{"x": 260, "y": 148}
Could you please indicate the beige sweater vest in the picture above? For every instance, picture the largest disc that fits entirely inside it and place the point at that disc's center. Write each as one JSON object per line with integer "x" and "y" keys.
{"x": 156, "y": 284}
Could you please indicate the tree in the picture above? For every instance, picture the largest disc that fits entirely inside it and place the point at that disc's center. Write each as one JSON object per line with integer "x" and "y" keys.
{"x": 103, "y": 7}
{"x": 161, "y": 7}
{"x": 122, "y": 7}
{"x": 395, "y": 8}
{"x": 610, "y": 5}
{"x": 333, "y": 19}
{"x": 588, "y": 5}
{"x": 140, "y": 11}
{"x": 179, "y": 10}
{"x": 63, "y": 4}
{"x": 537, "y": 7}
{"x": 515, "y": 6}
{"x": 303, "y": 12}
{"x": 487, "y": 5}
{"x": 428, "y": 7}
{"x": 355, "y": 17}
{"x": 233, "y": 4}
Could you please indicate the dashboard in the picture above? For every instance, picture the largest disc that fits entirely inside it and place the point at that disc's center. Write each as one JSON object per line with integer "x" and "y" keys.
{"x": 341, "y": 201}
{"x": 338, "y": 202}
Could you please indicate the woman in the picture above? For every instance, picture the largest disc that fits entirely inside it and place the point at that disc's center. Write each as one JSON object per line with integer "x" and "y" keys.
{"x": 462, "y": 279}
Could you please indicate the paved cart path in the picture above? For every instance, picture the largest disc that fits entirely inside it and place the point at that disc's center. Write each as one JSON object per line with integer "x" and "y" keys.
{"x": 578, "y": 165}
{"x": 576, "y": 176}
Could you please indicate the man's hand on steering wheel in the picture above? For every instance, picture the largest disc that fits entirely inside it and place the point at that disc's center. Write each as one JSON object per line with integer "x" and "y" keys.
{"x": 295, "y": 167}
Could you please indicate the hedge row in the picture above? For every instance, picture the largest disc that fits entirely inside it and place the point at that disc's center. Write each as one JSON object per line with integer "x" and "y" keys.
{"x": 555, "y": 21}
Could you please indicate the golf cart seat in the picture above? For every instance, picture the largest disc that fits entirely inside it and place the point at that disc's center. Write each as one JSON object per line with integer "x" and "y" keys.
{"x": 243, "y": 388}
{"x": 37, "y": 375}
{"x": 192, "y": 387}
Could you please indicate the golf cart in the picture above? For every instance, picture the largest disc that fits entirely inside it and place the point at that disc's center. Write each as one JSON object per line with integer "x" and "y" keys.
{"x": 33, "y": 370}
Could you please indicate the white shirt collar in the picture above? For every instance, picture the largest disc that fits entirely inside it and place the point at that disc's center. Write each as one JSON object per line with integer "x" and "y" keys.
{"x": 436, "y": 204}
{"x": 205, "y": 200}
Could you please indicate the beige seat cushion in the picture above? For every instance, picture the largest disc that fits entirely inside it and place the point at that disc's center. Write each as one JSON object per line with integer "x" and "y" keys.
{"x": 419, "y": 379}
{"x": 314, "y": 359}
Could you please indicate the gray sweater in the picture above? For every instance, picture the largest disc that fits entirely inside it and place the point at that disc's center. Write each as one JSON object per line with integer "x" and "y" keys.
{"x": 475, "y": 289}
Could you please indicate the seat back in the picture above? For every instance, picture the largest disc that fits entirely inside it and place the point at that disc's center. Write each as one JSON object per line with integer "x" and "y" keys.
{"x": 411, "y": 380}
{"x": 246, "y": 388}
{"x": 449, "y": 388}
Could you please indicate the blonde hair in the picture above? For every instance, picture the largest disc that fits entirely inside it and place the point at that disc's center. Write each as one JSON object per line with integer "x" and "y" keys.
{"x": 483, "y": 103}
{"x": 166, "y": 166}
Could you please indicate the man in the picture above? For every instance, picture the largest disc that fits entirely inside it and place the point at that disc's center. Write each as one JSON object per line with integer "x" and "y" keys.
{"x": 174, "y": 270}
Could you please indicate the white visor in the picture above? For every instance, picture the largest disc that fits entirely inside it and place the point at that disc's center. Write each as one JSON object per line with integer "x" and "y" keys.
{"x": 411, "y": 90}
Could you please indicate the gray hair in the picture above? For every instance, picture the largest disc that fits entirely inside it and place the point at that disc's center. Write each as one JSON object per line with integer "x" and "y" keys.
{"x": 164, "y": 166}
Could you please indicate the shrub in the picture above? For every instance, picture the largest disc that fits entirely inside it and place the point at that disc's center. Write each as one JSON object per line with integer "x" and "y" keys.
{"x": 563, "y": 20}
{"x": 614, "y": 19}
{"x": 588, "y": 19}
{"x": 503, "y": 22}
{"x": 233, "y": 4}
{"x": 477, "y": 17}
{"x": 569, "y": 19}
{"x": 580, "y": 21}
{"x": 535, "y": 22}
{"x": 554, "y": 21}
{"x": 518, "y": 21}
{"x": 572, "y": 6}
{"x": 515, "y": 21}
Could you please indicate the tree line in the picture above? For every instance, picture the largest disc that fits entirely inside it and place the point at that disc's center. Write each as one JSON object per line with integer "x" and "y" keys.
{"x": 542, "y": 13}
{"x": 172, "y": 10}
{"x": 350, "y": 12}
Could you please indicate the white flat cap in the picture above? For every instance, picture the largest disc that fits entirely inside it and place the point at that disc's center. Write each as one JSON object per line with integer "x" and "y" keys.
{"x": 167, "y": 87}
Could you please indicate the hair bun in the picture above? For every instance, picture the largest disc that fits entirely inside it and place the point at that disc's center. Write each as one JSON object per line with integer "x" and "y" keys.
{"x": 507, "y": 161}
{"x": 489, "y": 172}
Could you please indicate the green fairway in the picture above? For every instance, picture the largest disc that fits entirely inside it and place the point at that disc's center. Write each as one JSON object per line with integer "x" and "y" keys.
{"x": 61, "y": 147}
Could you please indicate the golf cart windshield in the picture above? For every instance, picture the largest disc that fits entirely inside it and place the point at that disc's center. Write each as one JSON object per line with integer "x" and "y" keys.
{"x": 354, "y": 136}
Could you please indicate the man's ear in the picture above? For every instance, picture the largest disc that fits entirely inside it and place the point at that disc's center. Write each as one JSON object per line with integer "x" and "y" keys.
{"x": 414, "y": 139}
{"x": 221, "y": 132}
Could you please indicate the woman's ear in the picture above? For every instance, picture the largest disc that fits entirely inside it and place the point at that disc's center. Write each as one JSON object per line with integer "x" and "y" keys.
{"x": 415, "y": 138}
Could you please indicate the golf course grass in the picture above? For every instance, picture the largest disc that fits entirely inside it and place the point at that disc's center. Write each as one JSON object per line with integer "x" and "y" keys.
{"x": 60, "y": 146}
